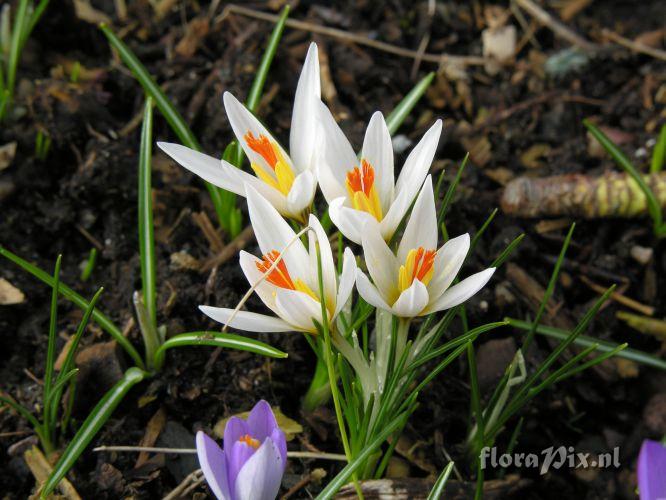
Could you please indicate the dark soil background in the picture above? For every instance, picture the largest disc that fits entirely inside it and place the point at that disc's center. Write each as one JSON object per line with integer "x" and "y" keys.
{"x": 84, "y": 194}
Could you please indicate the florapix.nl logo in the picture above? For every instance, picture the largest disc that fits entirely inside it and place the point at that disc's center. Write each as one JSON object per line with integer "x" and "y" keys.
{"x": 550, "y": 458}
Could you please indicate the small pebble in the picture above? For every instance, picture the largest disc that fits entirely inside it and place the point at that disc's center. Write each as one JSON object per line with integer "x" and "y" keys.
{"x": 640, "y": 254}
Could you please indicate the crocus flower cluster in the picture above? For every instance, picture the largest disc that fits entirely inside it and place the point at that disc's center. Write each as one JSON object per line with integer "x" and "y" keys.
{"x": 652, "y": 471}
{"x": 253, "y": 460}
{"x": 367, "y": 203}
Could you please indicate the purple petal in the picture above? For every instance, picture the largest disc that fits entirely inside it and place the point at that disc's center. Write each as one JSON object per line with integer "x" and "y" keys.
{"x": 235, "y": 429}
{"x": 652, "y": 471}
{"x": 212, "y": 462}
{"x": 261, "y": 421}
{"x": 261, "y": 476}
{"x": 237, "y": 456}
{"x": 278, "y": 437}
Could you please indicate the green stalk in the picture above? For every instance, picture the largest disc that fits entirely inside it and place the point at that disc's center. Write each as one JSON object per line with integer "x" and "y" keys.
{"x": 146, "y": 238}
{"x": 439, "y": 486}
{"x": 332, "y": 377}
{"x": 90, "y": 427}
{"x": 216, "y": 339}
{"x": 15, "y": 46}
{"x": 50, "y": 349}
{"x": 405, "y": 106}
{"x": 101, "y": 319}
{"x": 165, "y": 106}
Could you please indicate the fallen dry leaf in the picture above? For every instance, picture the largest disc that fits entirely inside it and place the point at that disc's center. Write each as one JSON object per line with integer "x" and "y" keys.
{"x": 7, "y": 153}
{"x": 9, "y": 294}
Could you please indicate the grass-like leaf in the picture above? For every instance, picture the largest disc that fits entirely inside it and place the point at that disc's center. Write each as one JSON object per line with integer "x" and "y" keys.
{"x": 405, "y": 106}
{"x": 343, "y": 476}
{"x": 173, "y": 117}
{"x": 90, "y": 427}
{"x": 101, "y": 319}
{"x": 50, "y": 346}
{"x": 146, "y": 238}
{"x": 659, "y": 153}
{"x": 654, "y": 209}
{"x": 439, "y": 486}
{"x": 68, "y": 364}
{"x": 215, "y": 339}
{"x": 586, "y": 341}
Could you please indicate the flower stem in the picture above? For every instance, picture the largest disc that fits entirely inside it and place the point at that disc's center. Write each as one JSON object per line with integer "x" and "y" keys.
{"x": 332, "y": 378}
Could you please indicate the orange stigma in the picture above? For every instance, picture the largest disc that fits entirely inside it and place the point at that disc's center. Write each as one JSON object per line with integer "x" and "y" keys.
{"x": 263, "y": 147}
{"x": 360, "y": 186}
{"x": 249, "y": 440}
{"x": 361, "y": 179}
{"x": 418, "y": 265}
{"x": 279, "y": 276}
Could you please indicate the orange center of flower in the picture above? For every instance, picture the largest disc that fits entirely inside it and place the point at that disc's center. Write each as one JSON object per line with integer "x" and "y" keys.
{"x": 361, "y": 189}
{"x": 281, "y": 176}
{"x": 418, "y": 265}
{"x": 249, "y": 440}
{"x": 279, "y": 275}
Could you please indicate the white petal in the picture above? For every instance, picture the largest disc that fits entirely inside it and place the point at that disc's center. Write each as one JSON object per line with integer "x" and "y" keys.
{"x": 245, "y": 320}
{"x": 265, "y": 289}
{"x": 421, "y": 230}
{"x": 327, "y": 264}
{"x": 381, "y": 263}
{"x": 411, "y": 178}
{"x": 274, "y": 233}
{"x": 303, "y": 134}
{"x": 299, "y": 309}
{"x": 242, "y": 122}
{"x": 349, "y": 221}
{"x": 347, "y": 278}
{"x": 378, "y": 151}
{"x": 337, "y": 155}
{"x": 368, "y": 291}
{"x": 419, "y": 160}
{"x": 301, "y": 193}
{"x": 261, "y": 476}
{"x": 411, "y": 301}
{"x": 222, "y": 174}
{"x": 459, "y": 293}
{"x": 449, "y": 260}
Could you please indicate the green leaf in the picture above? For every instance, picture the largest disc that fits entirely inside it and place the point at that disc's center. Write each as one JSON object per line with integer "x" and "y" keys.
{"x": 654, "y": 208}
{"x": 91, "y": 426}
{"x": 343, "y": 476}
{"x": 438, "y": 489}
{"x": 659, "y": 152}
{"x": 586, "y": 341}
{"x": 254, "y": 96}
{"x": 146, "y": 238}
{"x": 451, "y": 191}
{"x": 214, "y": 339}
{"x": 21, "y": 410}
{"x": 50, "y": 346}
{"x": 405, "y": 106}
{"x": 550, "y": 288}
{"x": 15, "y": 45}
{"x": 101, "y": 319}
{"x": 165, "y": 106}
{"x": 501, "y": 258}
{"x": 68, "y": 364}
{"x": 52, "y": 401}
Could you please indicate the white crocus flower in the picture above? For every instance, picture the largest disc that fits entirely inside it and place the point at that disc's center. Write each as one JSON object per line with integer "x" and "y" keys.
{"x": 291, "y": 289}
{"x": 417, "y": 281}
{"x": 364, "y": 190}
{"x": 288, "y": 182}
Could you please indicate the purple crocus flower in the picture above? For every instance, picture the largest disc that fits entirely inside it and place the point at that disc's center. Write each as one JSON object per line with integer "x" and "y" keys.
{"x": 652, "y": 471}
{"x": 253, "y": 461}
